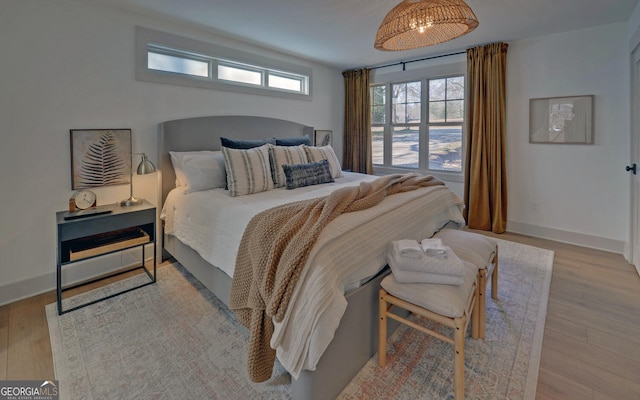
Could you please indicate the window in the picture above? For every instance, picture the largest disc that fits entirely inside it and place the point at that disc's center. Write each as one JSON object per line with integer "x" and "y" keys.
{"x": 446, "y": 115}
{"x": 406, "y": 115}
{"x": 240, "y": 74}
{"x": 425, "y": 128}
{"x": 166, "y": 58}
{"x": 378, "y": 119}
{"x": 181, "y": 65}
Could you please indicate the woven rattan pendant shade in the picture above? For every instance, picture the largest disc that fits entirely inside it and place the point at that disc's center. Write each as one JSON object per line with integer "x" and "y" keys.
{"x": 420, "y": 23}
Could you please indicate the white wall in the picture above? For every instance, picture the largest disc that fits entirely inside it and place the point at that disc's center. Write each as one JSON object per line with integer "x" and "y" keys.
{"x": 70, "y": 65}
{"x": 573, "y": 193}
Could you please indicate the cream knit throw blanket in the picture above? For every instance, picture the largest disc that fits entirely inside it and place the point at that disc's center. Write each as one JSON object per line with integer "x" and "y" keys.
{"x": 274, "y": 248}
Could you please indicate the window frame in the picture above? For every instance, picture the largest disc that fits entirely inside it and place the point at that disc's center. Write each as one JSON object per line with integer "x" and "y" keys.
{"x": 424, "y": 75}
{"x": 149, "y": 40}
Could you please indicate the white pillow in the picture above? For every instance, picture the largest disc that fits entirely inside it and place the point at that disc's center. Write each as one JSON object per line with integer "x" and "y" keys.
{"x": 204, "y": 171}
{"x": 248, "y": 171}
{"x": 176, "y": 161}
{"x": 315, "y": 154}
{"x": 281, "y": 155}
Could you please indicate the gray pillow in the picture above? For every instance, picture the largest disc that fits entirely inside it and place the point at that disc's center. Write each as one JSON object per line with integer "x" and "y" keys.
{"x": 245, "y": 144}
{"x": 299, "y": 175}
{"x": 294, "y": 141}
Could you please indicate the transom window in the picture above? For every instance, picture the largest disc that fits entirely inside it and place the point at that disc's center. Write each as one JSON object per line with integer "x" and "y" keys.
{"x": 180, "y": 65}
{"x": 197, "y": 65}
{"x": 166, "y": 58}
{"x": 425, "y": 128}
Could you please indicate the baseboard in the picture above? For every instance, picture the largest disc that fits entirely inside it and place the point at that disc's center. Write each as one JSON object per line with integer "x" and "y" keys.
{"x": 579, "y": 239}
{"x": 73, "y": 273}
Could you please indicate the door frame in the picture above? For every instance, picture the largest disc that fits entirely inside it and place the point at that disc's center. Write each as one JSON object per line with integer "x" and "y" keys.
{"x": 633, "y": 249}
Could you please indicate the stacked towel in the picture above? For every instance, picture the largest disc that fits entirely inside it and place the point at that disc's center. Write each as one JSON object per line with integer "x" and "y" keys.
{"x": 434, "y": 247}
{"x": 410, "y": 249}
{"x": 446, "y": 270}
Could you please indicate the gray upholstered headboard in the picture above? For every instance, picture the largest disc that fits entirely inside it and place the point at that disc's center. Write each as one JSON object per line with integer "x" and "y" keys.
{"x": 203, "y": 133}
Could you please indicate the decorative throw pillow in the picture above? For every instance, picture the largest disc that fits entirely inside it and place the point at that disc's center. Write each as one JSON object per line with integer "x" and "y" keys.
{"x": 299, "y": 175}
{"x": 248, "y": 171}
{"x": 295, "y": 141}
{"x": 245, "y": 144}
{"x": 204, "y": 172}
{"x": 315, "y": 154}
{"x": 280, "y": 155}
{"x": 176, "y": 161}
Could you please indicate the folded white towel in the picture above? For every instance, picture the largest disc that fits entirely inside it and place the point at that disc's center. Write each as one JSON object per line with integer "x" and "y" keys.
{"x": 425, "y": 277}
{"x": 433, "y": 247}
{"x": 450, "y": 266}
{"x": 410, "y": 248}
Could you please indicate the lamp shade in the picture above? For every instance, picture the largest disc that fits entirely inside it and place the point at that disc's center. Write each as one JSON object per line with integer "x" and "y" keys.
{"x": 420, "y": 23}
{"x": 145, "y": 166}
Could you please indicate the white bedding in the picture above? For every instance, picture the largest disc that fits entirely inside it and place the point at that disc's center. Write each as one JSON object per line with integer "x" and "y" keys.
{"x": 350, "y": 249}
{"x": 212, "y": 223}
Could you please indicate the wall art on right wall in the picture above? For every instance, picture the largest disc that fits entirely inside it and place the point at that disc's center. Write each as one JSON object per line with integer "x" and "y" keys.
{"x": 567, "y": 120}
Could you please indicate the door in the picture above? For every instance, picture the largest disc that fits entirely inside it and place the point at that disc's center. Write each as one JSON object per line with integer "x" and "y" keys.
{"x": 632, "y": 168}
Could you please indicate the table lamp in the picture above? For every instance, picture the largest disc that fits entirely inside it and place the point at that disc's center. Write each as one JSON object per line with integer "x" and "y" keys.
{"x": 145, "y": 167}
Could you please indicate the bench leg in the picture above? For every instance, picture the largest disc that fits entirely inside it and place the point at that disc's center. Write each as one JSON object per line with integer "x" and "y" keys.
{"x": 458, "y": 345}
{"x": 382, "y": 329}
{"x": 475, "y": 315}
{"x": 494, "y": 277}
{"x": 481, "y": 303}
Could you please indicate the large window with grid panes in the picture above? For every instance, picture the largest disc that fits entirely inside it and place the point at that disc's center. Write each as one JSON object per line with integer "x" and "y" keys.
{"x": 418, "y": 124}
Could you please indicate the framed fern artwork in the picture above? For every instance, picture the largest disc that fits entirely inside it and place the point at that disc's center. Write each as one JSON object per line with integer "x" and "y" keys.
{"x": 100, "y": 157}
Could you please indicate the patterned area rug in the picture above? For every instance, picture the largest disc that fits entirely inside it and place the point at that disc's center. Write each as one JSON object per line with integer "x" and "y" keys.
{"x": 175, "y": 340}
{"x": 502, "y": 366}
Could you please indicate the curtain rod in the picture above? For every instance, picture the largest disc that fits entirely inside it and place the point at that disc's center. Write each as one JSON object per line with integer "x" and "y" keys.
{"x": 404, "y": 63}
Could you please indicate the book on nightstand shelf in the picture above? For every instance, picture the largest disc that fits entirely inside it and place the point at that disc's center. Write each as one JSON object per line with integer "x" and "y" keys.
{"x": 107, "y": 242}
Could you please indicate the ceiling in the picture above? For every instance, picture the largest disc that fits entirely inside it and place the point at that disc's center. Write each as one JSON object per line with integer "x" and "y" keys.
{"x": 341, "y": 33}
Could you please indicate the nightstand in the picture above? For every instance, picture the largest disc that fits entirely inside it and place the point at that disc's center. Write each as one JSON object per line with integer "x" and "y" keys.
{"x": 105, "y": 230}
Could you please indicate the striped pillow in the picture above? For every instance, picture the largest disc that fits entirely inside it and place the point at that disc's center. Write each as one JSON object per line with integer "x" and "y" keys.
{"x": 280, "y": 155}
{"x": 299, "y": 175}
{"x": 315, "y": 154}
{"x": 248, "y": 171}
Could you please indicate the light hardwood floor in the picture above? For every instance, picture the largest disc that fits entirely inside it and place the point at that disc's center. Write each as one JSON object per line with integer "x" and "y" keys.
{"x": 591, "y": 347}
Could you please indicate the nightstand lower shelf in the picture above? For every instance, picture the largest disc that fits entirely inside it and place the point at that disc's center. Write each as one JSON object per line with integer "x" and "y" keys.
{"x": 150, "y": 274}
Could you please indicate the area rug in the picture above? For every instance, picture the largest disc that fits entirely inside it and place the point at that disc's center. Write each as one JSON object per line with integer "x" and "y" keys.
{"x": 175, "y": 340}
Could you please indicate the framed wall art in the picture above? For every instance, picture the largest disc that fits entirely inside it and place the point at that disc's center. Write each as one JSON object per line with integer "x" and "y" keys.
{"x": 100, "y": 157}
{"x": 322, "y": 138}
{"x": 567, "y": 120}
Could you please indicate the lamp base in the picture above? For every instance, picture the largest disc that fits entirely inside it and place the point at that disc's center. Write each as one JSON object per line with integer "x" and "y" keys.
{"x": 131, "y": 201}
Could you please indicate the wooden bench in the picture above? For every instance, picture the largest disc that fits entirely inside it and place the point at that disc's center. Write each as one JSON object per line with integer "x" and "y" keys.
{"x": 481, "y": 251}
{"x": 449, "y": 305}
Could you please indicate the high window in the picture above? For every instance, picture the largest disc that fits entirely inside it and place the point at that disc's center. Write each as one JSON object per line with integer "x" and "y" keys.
{"x": 166, "y": 58}
{"x": 418, "y": 124}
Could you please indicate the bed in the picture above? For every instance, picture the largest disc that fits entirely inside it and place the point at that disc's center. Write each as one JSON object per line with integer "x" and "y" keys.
{"x": 354, "y": 340}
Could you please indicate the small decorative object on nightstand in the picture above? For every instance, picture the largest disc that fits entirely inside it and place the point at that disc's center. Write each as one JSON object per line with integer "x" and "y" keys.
{"x": 98, "y": 231}
{"x": 81, "y": 200}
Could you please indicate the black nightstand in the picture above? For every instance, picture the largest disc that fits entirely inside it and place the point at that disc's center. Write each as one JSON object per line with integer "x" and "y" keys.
{"x": 110, "y": 229}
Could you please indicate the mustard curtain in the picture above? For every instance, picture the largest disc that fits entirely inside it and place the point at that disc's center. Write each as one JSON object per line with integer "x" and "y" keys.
{"x": 485, "y": 193}
{"x": 357, "y": 125}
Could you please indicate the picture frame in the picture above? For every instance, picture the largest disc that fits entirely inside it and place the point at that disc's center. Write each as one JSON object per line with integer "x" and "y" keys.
{"x": 100, "y": 157}
{"x": 561, "y": 120}
{"x": 322, "y": 138}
